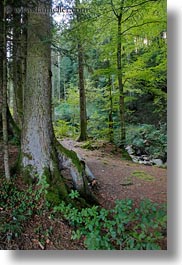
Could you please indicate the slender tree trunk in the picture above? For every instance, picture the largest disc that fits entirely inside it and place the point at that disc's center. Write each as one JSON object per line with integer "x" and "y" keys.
{"x": 118, "y": 12}
{"x": 4, "y": 103}
{"x": 111, "y": 129}
{"x": 83, "y": 112}
{"x": 120, "y": 84}
{"x": 1, "y": 62}
{"x": 12, "y": 127}
{"x": 58, "y": 77}
{"x": 61, "y": 83}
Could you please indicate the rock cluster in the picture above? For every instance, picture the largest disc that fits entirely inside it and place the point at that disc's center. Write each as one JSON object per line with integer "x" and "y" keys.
{"x": 137, "y": 157}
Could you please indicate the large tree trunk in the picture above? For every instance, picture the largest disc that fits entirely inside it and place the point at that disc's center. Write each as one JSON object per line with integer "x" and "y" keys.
{"x": 41, "y": 154}
{"x": 37, "y": 132}
{"x": 19, "y": 56}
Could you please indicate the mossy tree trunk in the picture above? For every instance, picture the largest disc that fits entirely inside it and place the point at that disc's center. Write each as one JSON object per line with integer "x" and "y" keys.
{"x": 41, "y": 154}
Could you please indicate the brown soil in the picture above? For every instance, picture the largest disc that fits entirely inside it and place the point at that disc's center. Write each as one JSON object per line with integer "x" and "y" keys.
{"x": 121, "y": 179}
{"x": 116, "y": 179}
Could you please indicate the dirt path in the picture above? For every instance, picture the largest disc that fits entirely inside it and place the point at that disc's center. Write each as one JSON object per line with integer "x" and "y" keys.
{"x": 117, "y": 178}
{"x": 121, "y": 179}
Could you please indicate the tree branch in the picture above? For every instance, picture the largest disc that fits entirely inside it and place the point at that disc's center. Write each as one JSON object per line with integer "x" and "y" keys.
{"x": 113, "y": 9}
{"x": 139, "y": 25}
{"x": 131, "y": 14}
{"x": 142, "y": 3}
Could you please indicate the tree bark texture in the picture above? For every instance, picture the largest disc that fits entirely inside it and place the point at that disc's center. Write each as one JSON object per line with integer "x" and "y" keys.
{"x": 41, "y": 154}
{"x": 37, "y": 131}
{"x": 1, "y": 62}
{"x": 19, "y": 68}
{"x": 83, "y": 112}
{"x": 120, "y": 83}
{"x": 110, "y": 118}
{"x": 4, "y": 102}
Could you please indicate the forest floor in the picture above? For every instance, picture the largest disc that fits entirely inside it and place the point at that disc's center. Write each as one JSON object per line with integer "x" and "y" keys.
{"x": 121, "y": 179}
{"x": 116, "y": 178}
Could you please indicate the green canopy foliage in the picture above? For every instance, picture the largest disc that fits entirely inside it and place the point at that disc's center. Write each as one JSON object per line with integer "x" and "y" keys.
{"x": 143, "y": 63}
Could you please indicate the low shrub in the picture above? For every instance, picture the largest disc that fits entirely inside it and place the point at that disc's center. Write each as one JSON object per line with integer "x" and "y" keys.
{"x": 124, "y": 227}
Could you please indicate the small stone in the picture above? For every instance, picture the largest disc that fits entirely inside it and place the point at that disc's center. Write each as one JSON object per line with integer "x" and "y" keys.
{"x": 145, "y": 158}
{"x": 130, "y": 150}
{"x": 157, "y": 162}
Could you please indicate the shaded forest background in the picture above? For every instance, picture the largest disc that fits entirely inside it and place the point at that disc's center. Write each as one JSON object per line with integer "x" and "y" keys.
{"x": 130, "y": 113}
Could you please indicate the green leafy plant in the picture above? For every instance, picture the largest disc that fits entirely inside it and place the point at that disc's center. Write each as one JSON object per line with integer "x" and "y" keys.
{"x": 18, "y": 206}
{"x": 62, "y": 129}
{"x": 124, "y": 227}
{"x": 74, "y": 194}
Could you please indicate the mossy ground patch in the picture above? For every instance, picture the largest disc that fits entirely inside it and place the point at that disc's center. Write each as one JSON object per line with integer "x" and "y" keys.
{"x": 143, "y": 175}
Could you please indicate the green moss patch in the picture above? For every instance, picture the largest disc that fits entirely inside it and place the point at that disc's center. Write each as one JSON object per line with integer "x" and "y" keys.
{"x": 143, "y": 175}
{"x": 70, "y": 154}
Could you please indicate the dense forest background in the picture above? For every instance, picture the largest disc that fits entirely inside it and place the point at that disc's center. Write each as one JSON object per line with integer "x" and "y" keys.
{"x": 89, "y": 71}
{"x": 123, "y": 70}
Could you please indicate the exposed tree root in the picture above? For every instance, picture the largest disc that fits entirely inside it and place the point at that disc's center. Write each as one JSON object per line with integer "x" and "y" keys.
{"x": 82, "y": 177}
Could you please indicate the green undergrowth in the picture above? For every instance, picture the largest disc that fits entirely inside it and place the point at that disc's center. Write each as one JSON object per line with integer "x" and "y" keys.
{"x": 125, "y": 155}
{"x": 149, "y": 140}
{"x": 93, "y": 144}
{"x": 18, "y": 205}
{"x": 63, "y": 129}
{"x": 20, "y": 202}
{"x": 124, "y": 227}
